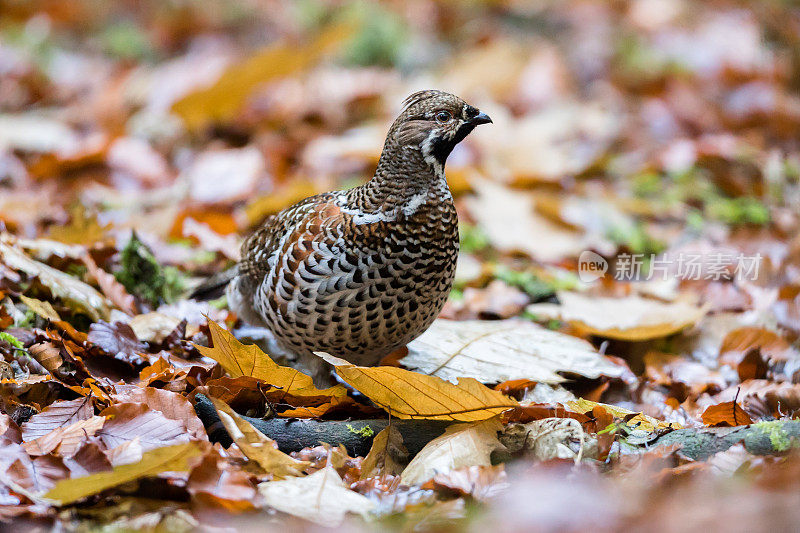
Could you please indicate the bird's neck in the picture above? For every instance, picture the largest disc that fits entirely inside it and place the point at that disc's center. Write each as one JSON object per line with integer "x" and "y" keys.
{"x": 403, "y": 182}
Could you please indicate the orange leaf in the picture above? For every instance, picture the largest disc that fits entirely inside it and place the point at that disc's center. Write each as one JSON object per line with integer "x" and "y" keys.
{"x": 726, "y": 414}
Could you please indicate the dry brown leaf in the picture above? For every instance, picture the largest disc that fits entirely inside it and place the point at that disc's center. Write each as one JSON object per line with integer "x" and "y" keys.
{"x": 222, "y": 101}
{"x": 321, "y": 497}
{"x": 172, "y": 405}
{"x": 127, "y": 421}
{"x": 407, "y": 394}
{"x": 47, "y": 354}
{"x": 460, "y": 446}
{"x": 56, "y": 415}
{"x": 113, "y": 289}
{"x": 67, "y": 439}
{"x": 631, "y": 318}
{"x": 257, "y": 446}
{"x": 215, "y": 480}
{"x": 248, "y": 360}
{"x": 493, "y": 351}
{"x": 176, "y": 458}
{"x": 387, "y": 454}
{"x": 740, "y": 341}
{"x": 480, "y": 482}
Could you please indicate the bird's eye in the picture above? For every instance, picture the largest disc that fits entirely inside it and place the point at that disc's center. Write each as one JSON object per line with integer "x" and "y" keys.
{"x": 443, "y": 116}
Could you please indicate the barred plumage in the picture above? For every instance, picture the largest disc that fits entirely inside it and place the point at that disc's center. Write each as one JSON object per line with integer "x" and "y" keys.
{"x": 360, "y": 273}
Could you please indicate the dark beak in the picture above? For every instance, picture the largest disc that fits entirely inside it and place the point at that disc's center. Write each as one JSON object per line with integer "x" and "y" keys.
{"x": 481, "y": 118}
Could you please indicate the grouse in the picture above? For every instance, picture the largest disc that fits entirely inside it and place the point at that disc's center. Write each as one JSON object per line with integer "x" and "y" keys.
{"x": 362, "y": 272}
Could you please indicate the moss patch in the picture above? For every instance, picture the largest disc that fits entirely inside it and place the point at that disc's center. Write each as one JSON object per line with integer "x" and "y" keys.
{"x": 365, "y": 432}
{"x": 778, "y": 437}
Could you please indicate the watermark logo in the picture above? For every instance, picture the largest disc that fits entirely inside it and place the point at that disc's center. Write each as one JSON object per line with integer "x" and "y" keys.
{"x": 686, "y": 266}
{"x": 591, "y": 266}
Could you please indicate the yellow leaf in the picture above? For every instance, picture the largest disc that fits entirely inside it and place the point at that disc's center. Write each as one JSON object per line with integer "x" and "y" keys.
{"x": 43, "y": 309}
{"x": 248, "y": 360}
{"x": 257, "y": 446}
{"x": 269, "y": 204}
{"x": 83, "y": 228}
{"x": 167, "y": 459}
{"x": 641, "y": 420}
{"x": 223, "y": 100}
{"x": 407, "y": 394}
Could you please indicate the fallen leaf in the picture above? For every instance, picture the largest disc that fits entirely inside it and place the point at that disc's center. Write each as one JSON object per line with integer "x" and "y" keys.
{"x": 632, "y": 418}
{"x": 549, "y": 438}
{"x": 58, "y": 414}
{"x": 43, "y": 309}
{"x": 248, "y": 360}
{"x": 66, "y": 439}
{"x": 127, "y": 421}
{"x": 752, "y": 366}
{"x": 117, "y": 340}
{"x": 407, "y": 394}
{"x": 37, "y": 475}
{"x": 71, "y": 290}
{"x": 113, "y": 289}
{"x": 631, "y": 318}
{"x": 479, "y": 481}
{"x": 387, "y": 454}
{"x": 172, "y": 405}
{"x": 321, "y": 497}
{"x": 460, "y": 446}
{"x": 726, "y": 414}
{"x": 496, "y": 351}
{"x": 740, "y": 341}
{"x": 83, "y": 228}
{"x": 225, "y": 486}
{"x": 153, "y": 327}
{"x": 222, "y": 101}
{"x": 167, "y": 459}
{"x": 47, "y": 354}
{"x": 257, "y": 446}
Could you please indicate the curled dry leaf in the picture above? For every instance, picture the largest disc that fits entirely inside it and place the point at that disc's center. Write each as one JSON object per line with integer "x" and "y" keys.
{"x": 632, "y": 418}
{"x": 257, "y": 446}
{"x": 67, "y": 439}
{"x": 407, "y": 394}
{"x": 387, "y": 455}
{"x": 496, "y": 351}
{"x": 117, "y": 340}
{"x": 177, "y": 458}
{"x": 248, "y": 360}
{"x": 321, "y": 497}
{"x": 71, "y": 290}
{"x": 548, "y": 438}
{"x": 47, "y": 354}
{"x": 632, "y": 318}
{"x": 460, "y": 446}
{"x": 113, "y": 289}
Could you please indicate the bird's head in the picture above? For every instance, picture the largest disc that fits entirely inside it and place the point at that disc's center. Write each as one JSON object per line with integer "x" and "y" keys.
{"x": 435, "y": 122}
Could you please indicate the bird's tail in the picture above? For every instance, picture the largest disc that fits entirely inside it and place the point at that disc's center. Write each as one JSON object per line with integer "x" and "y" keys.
{"x": 214, "y": 287}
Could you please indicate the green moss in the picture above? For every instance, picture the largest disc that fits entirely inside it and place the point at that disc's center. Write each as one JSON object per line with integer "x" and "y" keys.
{"x": 144, "y": 276}
{"x": 473, "y": 239}
{"x": 778, "y": 437}
{"x": 537, "y": 287}
{"x": 738, "y": 211}
{"x": 12, "y": 340}
{"x": 365, "y": 432}
{"x": 380, "y": 38}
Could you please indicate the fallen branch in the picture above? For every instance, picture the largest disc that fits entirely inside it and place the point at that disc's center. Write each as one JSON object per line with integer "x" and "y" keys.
{"x": 763, "y": 438}
{"x": 294, "y": 434}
